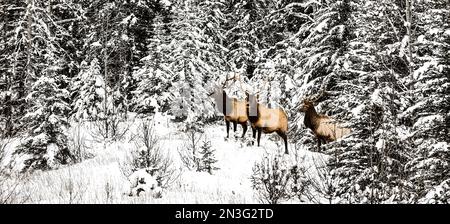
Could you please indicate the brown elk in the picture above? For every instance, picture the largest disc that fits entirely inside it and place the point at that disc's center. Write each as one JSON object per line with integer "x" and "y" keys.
{"x": 267, "y": 120}
{"x": 234, "y": 110}
{"x": 325, "y": 129}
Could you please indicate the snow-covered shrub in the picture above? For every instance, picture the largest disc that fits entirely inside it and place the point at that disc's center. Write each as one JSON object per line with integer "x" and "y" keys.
{"x": 299, "y": 185}
{"x": 149, "y": 158}
{"x": 321, "y": 186}
{"x": 197, "y": 154}
{"x": 77, "y": 145}
{"x": 438, "y": 195}
{"x": 72, "y": 190}
{"x": 207, "y": 159}
{"x": 142, "y": 181}
{"x": 111, "y": 127}
{"x": 275, "y": 180}
{"x": 12, "y": 189}
{"x": 11, "y": 183}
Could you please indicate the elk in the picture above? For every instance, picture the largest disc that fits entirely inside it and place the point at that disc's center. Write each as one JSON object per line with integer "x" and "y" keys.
{"x": 267, "y": 120}
{"x": 325, "y": 129}
{"x": 234, "y": 110}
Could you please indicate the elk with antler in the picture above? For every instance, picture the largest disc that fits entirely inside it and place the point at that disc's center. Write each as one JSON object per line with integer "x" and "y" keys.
{"x": 267, "y": 120}
{"x": 234, "y": 110}
{"x": 325, "y": 129}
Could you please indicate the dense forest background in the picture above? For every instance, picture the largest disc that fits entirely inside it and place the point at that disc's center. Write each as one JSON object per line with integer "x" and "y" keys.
{"x": 384, "y": 66}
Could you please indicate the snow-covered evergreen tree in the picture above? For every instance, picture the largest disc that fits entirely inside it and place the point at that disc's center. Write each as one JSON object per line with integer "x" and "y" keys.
{"x": 89, "y": 86}
{"x": 193, "y": 60}
{"x": 153, "y": 78}
{"x": 30, "y": 30}
{"x": 429, "y": 115}
{"x": 370, "y": 165}
{"x": 36, "y": 81}
{"x": 46, "y": 122}
{"x": 208, "y": 159}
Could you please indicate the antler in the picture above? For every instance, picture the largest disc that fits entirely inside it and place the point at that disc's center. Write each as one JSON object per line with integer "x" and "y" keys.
{"x": 223, "y": 84}
{"x": 228, "y": 79}
{"x": 320, "y": 94}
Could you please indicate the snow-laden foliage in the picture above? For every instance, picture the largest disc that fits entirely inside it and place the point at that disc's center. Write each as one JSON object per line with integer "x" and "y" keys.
{"x": 428, "y": 114}
{"x": 379, "y": 68}
{"x": 197, "y": 153}
{"x": 150, "y": 157}
{"x": 275, "y": 180}
{"x": 90, "y": 88}
{"x": 36, "y": 37}
{"x": 142, "y": 181}
{"x": 46, "y": 121}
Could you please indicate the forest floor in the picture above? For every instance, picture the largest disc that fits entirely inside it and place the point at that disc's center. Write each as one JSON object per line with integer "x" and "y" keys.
{"x": 102, "y": 177}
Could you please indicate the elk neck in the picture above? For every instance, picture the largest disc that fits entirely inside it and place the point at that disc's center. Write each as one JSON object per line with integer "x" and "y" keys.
{"x": 224, "y": 102}
{"x": 311, "y": 118}
{"x": 253, "y": 119}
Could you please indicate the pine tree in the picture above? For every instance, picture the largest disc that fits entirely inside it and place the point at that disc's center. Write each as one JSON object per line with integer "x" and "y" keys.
{"x": 192, "y": 58}
{"x": 36, "y": 81}
{"x": 89, "y": 86}
{"x": 108, "y": 41}
{"x": 32, "y": 31}
{"x": 208, "y": 159}
{"x": 370, "y": 166}
{"x": 47, "y": 122}
{"x": 430, "y": 169}
{"x": 153, "y": 78}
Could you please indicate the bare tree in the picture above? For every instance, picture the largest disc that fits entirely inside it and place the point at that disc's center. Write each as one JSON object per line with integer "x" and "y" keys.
{"x": 72, "y": 191}
{"x": 189, "y": 152}
{"x": 77, "y": 144}
{"x": 197, "y": 154}
{"x": 11, "y": 184}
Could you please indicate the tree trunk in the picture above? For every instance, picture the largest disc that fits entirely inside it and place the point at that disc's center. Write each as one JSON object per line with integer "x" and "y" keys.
{"x": 105, "y": 77}
{"x": 409, "y": 33}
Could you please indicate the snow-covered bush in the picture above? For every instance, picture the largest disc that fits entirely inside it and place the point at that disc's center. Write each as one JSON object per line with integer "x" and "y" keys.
{"x": 150, "y": 159}
{"x": 11, "y": 183}
{"x": 111, "y": 127}
{"x": 77, "y": 144}
{"x": 438, "y": 195}
{"x": 197, "y": 154}
{"x": 274, "y": 180}
{"x": 142, "y": 181}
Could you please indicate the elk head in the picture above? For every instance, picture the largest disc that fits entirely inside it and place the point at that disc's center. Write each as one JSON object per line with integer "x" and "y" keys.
{"x": 308, "y": 102}
{"x": 307, "y": 105}
{"x": 220, "y": 88}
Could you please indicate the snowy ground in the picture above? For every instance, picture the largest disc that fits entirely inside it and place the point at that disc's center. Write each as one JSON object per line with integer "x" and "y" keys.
{"x": 101, "y": 179}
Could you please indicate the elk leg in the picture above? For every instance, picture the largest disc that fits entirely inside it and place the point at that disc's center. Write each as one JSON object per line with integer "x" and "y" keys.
{"x": 254, "y": 134}
{"x": 228, "y": 128}
{"x": 234, "y": 126}
{"x": 319, "y": 143}
{"x": 259, "y": 135}
{"x": 244, "y": 126}
{"x": 284, "y": 137}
